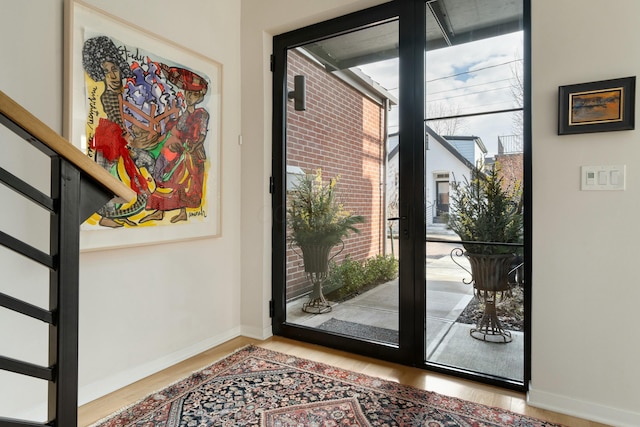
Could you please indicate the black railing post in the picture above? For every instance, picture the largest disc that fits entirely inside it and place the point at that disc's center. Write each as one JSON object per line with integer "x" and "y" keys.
{"x": 64, "y": 301}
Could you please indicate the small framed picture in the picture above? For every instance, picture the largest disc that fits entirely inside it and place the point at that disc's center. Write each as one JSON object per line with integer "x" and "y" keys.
{"x": 600, "y": 106}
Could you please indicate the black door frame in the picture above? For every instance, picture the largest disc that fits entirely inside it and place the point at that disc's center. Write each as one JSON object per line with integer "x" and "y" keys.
{"x": 412, "y": 292}
{"x": 281, "y": 44}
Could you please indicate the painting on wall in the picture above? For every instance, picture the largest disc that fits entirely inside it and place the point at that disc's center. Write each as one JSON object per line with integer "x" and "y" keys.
{"x": 148, "y": 111}
{"x": 601, "y": 106}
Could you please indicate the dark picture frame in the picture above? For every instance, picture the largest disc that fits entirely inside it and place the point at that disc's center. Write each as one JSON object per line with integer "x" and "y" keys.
{"x": 602, "y": 106}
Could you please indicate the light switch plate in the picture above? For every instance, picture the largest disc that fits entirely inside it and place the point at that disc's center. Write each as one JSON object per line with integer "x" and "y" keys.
{"x": 603, "y": 178}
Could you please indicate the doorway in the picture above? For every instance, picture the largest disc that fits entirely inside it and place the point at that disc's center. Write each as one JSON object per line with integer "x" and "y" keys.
{"x": 389, "y": 284}
{"x": 442, "y": 198}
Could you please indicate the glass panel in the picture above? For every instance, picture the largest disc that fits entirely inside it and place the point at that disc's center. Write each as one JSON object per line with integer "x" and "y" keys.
{"x": 474, "y": 99}
{"x": 442, "y": 200}
{"x": 342, "y": 256}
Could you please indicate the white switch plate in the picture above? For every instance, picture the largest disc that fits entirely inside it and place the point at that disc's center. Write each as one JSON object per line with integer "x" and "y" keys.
{"x": 603, "y": 178}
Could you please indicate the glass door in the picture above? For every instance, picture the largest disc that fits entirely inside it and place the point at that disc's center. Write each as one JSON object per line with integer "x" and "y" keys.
{"x": 380, "y": 117}
{"x": 474, "y": 119}
{"x": 337, "y": 280}
{"x": 341, "y": 269}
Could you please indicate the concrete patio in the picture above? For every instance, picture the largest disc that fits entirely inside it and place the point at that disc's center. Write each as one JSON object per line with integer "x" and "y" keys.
{"x": 374, "y": 314}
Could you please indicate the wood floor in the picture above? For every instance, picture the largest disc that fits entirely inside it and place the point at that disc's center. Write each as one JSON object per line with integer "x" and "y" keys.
{"x": 450, "y": 386}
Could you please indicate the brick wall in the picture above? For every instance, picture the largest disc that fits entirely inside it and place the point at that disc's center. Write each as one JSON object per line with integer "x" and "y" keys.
{"x": 341, "y": 132}
{"x": 511, "y": 168}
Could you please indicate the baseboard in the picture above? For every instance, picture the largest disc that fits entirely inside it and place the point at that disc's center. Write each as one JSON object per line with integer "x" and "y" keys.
{"x": 582, "y": 409}
{"x": 101, "y": 388}
{"x": 256, "y": 333}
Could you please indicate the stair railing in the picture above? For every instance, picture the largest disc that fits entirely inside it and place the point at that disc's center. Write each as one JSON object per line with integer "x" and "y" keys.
{"x": 79, "y": 187}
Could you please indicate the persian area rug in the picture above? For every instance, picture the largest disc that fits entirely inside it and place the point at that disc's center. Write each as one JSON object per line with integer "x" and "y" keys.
{"x": 259, "y": 387}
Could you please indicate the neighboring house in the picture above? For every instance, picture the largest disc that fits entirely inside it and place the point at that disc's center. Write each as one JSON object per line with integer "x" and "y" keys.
{"x": 471, "y": 147}
{"x": 445, "y": 164}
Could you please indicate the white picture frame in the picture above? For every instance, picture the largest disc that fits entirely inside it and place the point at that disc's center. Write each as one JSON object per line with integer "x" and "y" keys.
{"x": 84, "y": 107}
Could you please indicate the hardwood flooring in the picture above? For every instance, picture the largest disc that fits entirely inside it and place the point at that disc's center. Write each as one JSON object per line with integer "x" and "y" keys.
{"x": 439, "y": 383}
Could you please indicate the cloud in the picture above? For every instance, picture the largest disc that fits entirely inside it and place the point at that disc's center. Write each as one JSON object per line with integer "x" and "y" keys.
{"x": 468, "y": 78}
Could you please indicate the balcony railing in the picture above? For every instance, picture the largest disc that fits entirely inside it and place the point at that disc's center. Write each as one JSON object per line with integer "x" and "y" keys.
{"x": 510, "y": 144}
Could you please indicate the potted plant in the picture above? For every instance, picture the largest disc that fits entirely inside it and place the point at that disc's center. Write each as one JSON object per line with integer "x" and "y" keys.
{"x": 486, "y": 210}
{"x": 317, "y": 223}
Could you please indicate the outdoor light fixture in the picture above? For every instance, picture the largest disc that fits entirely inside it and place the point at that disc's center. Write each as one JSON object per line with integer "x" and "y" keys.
{"x": 298, "y": 94}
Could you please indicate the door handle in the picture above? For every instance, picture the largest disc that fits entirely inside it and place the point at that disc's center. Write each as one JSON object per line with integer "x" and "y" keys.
{"x": 405, "y": 230}
{"x": 405, "y": 226}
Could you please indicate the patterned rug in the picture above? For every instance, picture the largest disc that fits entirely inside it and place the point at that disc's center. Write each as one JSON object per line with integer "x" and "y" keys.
{"x": 259, "y": 387}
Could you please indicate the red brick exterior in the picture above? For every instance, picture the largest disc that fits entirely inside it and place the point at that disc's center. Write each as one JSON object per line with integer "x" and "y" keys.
{"x": 511, "y": 169}
{"x": 341, "y": 132}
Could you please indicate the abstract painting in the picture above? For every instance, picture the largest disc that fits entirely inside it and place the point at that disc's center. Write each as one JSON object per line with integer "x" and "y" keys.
{"x": 148, "y": 111}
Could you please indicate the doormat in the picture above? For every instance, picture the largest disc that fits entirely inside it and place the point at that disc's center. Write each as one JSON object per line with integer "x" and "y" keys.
{"x": 260, "y": 387}
{"x": 359, "y": 330}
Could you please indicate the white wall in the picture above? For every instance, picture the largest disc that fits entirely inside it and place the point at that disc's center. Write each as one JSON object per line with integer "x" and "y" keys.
{"x": 142, "y": 308}
{"x": 182, "y": 297}
{"x": 585, "y": 349}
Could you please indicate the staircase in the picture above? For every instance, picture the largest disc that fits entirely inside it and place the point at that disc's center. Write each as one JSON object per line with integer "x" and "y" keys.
{"x": 78, "y": 188}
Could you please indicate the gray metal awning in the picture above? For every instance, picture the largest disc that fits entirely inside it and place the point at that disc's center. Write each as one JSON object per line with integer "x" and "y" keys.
{"x": 449, "y": 22}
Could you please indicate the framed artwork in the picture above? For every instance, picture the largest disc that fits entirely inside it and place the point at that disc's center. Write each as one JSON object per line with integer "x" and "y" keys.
{"x": 601, "y": 106}
{"x": 149, "y": 111}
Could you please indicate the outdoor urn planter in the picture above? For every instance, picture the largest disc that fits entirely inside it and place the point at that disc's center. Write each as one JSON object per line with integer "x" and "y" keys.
{"x": 486, "y": 214}
{"x": 317, "y": 224}
{"x": 316, "y": 260}
{"x": 490, "y": 279}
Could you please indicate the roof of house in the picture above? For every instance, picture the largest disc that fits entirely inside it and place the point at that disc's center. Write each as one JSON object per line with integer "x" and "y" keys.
{"x": 442, "y": 141}
{"x": 475, "y": 139}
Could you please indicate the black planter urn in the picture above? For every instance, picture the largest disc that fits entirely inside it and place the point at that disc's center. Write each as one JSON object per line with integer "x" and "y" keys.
{"x": 490, "y": 276}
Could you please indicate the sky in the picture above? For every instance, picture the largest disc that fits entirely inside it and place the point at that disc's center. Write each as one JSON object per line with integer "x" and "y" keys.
{"x": 477, "y": 76}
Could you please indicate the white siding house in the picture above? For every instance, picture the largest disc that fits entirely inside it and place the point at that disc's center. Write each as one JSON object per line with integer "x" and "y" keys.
{"x": 445, "y": 163}
{"x": 471, "y": 147}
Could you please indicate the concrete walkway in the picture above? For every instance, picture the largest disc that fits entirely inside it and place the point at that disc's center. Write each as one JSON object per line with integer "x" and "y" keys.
{"x": 374, "y": 314}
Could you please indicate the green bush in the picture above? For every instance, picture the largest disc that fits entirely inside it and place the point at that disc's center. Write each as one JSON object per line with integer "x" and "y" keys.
{"x": 350, "y": 277}
{"x": 485, "y": 210}
{"x": 345, "y": 277}
{"x": 381, "y": 268}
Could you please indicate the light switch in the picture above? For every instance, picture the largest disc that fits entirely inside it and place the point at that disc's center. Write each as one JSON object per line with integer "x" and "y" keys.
{"x": 602, "y": 177}
{"x": 615, "y": 177}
